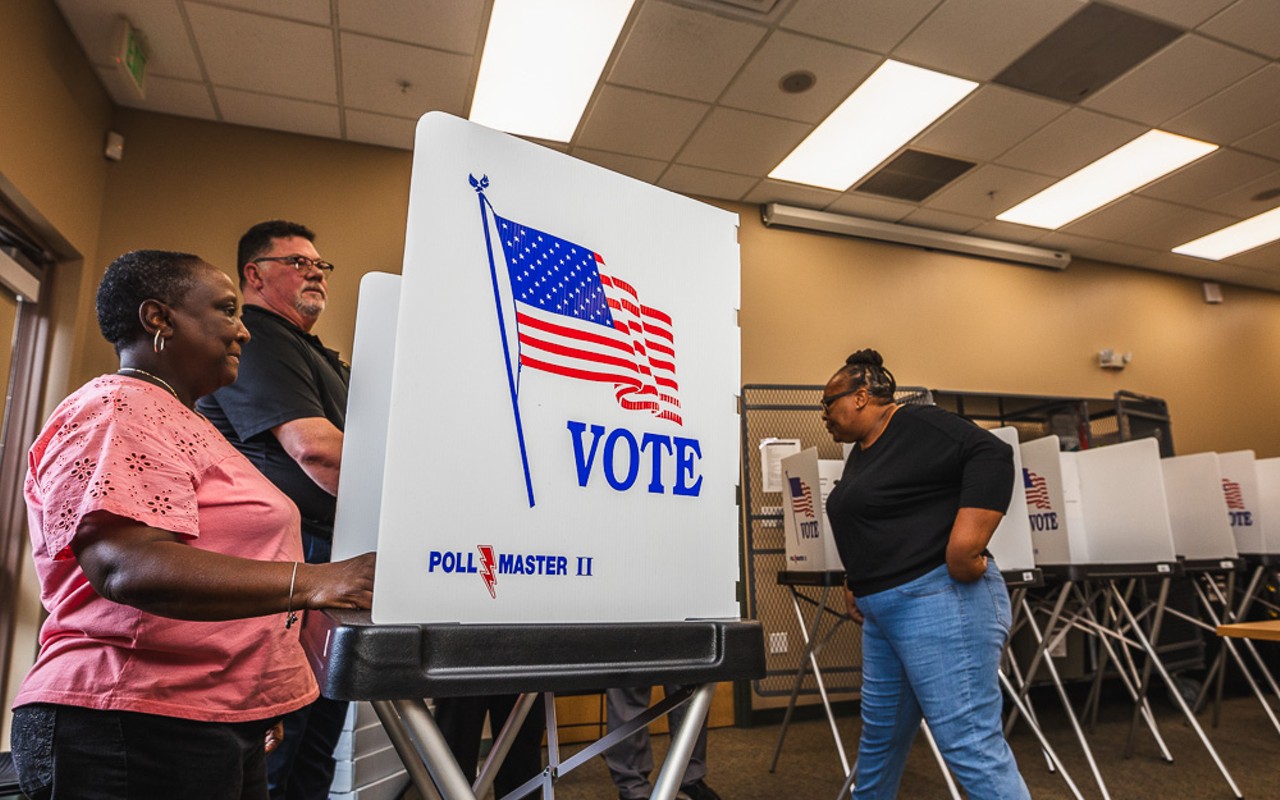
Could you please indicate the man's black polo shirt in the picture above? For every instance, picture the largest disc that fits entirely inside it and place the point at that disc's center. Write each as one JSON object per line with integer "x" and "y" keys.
{"x": 285, "y": 374}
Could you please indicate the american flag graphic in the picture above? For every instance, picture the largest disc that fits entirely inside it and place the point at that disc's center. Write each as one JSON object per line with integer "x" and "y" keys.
{"x": 1235, "y": 498}
{"x": 801, "y": 498}
{"x": 1037, "y": 490}
{"x": 577, "y": 321}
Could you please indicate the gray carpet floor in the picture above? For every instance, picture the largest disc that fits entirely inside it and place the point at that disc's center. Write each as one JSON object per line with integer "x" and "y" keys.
{"x": 809, "y": 767}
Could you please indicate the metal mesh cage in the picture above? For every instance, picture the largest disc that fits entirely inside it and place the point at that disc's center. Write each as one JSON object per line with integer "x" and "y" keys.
{"x": 791, "y": 412}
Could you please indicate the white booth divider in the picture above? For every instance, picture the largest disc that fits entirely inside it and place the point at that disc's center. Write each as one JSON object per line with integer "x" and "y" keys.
{"x": 1198, "y": 508}
{"x": 1240, "y": 487}
{"x": 559, "y": 418}
{"x": 1268, "y": 474}
{"x": 1011, "y": 543}
{"x": 1123, "y": 501}
{"x": 809, "y": 543}
{"x": 1057, "y": 531}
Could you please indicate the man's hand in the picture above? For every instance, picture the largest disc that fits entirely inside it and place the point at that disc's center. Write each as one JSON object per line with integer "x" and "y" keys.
{"x": 274, "y": 736}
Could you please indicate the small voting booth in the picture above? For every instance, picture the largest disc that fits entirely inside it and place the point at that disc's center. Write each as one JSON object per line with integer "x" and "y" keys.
{"x": 1198, "y": 509}
{"x": 1240, "y": 488}
{"x": 806, "y": 483}
{"x": 541, "y": 444}
{"x": 1011, "y": 544}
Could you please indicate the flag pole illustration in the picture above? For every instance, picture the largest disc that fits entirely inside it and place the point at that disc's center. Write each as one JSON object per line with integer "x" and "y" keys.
{"x": 574, "y": 320}
{"x": 480, "y": 186}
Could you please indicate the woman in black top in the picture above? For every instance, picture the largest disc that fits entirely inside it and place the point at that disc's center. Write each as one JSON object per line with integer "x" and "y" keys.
{"x": 922, "y": 492}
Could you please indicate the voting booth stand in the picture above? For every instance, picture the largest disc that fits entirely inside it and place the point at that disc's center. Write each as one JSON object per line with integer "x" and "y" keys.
{"x": 540, "y": 445}
{"x": 1110, "y": 529}
{"x": 1251, "y": 490}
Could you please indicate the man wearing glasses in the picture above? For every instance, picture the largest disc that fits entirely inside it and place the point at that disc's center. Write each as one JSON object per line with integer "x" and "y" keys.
{"x": 286, "y": 412}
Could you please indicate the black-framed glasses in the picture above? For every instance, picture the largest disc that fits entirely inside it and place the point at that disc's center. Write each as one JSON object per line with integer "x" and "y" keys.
{"x": 830, "y": 399}
{"x": 300, "y": 263}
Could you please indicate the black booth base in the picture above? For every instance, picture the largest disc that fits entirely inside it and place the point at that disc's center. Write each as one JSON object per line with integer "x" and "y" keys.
{"x": 355, "y": 659}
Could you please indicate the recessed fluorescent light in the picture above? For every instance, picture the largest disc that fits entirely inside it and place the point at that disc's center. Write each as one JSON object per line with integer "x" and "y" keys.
{"x": 542, "y": 59}
{"x": 1244, "y": 235}
{"x": 1138, "y": 163}
{"x": 884, "y": 113}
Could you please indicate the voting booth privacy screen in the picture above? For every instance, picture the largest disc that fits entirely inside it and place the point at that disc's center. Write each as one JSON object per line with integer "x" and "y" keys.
{"x": 559, "y": 438}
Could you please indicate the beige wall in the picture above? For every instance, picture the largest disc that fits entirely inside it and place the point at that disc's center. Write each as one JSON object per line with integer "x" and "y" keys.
{"x": 196, "y": 186}
{"x": 945, "y": 321}
{"x": 53, "y": 117}
{"x": 953, "y": 322}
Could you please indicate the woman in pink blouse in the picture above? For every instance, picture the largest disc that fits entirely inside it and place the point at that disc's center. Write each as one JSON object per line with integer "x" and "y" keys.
{"x": 171, "y": 568}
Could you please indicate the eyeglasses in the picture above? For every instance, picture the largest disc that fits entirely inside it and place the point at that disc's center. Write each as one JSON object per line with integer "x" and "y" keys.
{"x": 828, "y": 400}
{"x": 300, "y": 263}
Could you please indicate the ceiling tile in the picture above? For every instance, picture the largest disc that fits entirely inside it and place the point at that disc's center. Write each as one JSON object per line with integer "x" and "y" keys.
{"x": 1096, "y": 249}
{"x": 380, "y": 129}
{"x": 741, "y": 142}
{"x": 1238, "y": 201}
{"x": 1235, "y": 112}
{"x": 682, "y": 52}
{"x": 1184, "y": 13}
{"x": 1215, "y": 271}
{"x": 402, "y": 80}
{"x": 250, "y": 51}
{"x": 1173, "y": 80}
{"x": 706, "y": 182}
{"x": 941, "y": 220}
{"x": 639, "y": 123}
{"x": 857, "y": 205}
{"x": 1251, "y": 24}
{"x": 977, "y": 38}
{"x": 1266, "y": 257}
{"x": 1114, "y": 220}
{"x": 165, "y": 95}
{"x": 875, "y": 25}
{"x": 1007, "y": 232}
{"x": 1179, "y": 228}
{"x": 987, "y": 191}
{"x": 645, "y": 169}
{"x": 1210, "y": 176}
{"x": 316, "y": 12}
{"x": 278, "y": 113}
{"x": 989, "y": 122}
{"x": 452, "y": 25}
{"x": 795, "y": 194}
{"x": 1265, "y": 141}
{"x": 1074, "y": 140}
{"x": 838, "y": 69}
{"x": 169, "y": 49}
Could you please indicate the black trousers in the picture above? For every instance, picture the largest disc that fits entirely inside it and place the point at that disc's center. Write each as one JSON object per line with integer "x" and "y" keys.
{"x": 461, "y": 720}
{"x": 87, "y": 754}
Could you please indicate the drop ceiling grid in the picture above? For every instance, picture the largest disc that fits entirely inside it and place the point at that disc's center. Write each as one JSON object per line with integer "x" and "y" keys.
{"x": 711, "y": 120}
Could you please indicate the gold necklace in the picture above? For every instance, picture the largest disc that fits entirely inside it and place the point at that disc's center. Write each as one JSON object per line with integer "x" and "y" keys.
{"x": 156, "y": 378}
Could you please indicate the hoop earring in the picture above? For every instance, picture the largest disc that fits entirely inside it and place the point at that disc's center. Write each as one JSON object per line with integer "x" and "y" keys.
{"x": 157, "y": 344}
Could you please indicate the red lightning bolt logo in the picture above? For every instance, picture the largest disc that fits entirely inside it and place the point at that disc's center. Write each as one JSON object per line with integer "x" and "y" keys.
{"x": 487, "y": 568}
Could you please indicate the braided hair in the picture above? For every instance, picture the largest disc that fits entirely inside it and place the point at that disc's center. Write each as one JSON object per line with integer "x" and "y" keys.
{"x": 866, "y": 368}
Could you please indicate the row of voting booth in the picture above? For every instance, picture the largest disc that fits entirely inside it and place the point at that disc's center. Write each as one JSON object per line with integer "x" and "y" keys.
{"x": 542, "y": 440}
{"x": 1086, "y": 527}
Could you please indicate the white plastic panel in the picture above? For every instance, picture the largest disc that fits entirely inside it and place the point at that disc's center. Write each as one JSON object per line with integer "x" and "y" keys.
{"x": 1197, "y": 507}
{"x": 1123, "y": 501}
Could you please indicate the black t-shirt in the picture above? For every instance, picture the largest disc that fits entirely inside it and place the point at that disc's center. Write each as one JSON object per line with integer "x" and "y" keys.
{"x": 285, "y": 374}
{"x": 894, "y": 506}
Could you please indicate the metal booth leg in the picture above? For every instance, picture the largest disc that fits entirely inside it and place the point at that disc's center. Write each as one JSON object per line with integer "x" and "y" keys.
{"x": 682, "y": 742}
{"x": 502, "y": 743}
{"x": 404, "y": 746}
{"x": 434, "y": 750}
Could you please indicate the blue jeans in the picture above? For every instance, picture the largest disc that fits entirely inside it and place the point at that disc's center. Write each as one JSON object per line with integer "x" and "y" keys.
{"x": 933, "y": 646}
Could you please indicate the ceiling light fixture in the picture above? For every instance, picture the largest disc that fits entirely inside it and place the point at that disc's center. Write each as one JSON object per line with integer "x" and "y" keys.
{"x": 884, "y": 113}
{"x": 1245, "y": 235}
{"x": 780, "y": 215}
{"x": 1141, "y": 161}
{"x": 533, "y": 80}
